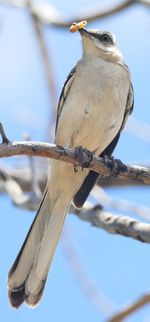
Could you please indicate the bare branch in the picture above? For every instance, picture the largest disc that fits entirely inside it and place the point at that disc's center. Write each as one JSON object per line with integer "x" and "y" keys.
{"x": 22, "y": 177}
{"x": 145, "y": 299}
{"x": 121, "y": 205}
{"x": 132, "y": 173}
{"x": 18, "y": 197}
{"x": 48, "y": 14}
{"x": 115, "y": 224}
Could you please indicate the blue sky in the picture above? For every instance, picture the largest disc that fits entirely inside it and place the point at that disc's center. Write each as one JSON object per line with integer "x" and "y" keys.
{"x": 118, "y": 267}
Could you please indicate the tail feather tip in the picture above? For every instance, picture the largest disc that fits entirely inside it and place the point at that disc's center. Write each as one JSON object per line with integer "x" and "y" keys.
{"x": 17, "y": 296}
{"x": 32, "y": 300}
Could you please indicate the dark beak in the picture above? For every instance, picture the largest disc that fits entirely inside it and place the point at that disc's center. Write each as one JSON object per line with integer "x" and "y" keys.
{"x": 84, "y": 32}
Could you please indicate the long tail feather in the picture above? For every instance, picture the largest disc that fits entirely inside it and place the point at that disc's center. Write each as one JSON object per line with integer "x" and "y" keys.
{"x": 28, "y": 274}
{"x": 25, "y": 259}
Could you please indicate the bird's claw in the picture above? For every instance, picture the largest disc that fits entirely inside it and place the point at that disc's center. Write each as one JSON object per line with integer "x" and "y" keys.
{"x": 84, "y": 156}
{"x": 115, "y": 165}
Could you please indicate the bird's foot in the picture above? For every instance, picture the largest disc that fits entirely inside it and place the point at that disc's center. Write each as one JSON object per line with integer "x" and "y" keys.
{"x": 84, "y": 156}
{"x": 115, "y": 165}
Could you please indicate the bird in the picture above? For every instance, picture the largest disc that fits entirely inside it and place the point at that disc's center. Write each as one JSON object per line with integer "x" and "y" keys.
{"x": 94, "y": 105}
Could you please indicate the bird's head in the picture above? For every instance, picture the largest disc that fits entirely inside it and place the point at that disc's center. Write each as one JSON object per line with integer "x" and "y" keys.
{"x": 101, "y": 44}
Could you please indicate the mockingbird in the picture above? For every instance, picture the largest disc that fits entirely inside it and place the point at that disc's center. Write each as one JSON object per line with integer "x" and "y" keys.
{"x": 94, "y": 105}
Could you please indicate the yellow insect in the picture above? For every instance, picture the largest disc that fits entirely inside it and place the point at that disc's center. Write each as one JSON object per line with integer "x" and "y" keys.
{"x": 77, "y": 25}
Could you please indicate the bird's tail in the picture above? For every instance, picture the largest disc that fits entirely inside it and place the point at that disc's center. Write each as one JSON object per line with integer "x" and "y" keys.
{"x": 28, "y": 274}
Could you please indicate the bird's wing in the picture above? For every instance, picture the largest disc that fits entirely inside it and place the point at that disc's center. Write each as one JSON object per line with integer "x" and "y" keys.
{"x": 129, "y": 106}
{"x": 92, "y": 177}
{"x": 64, "y": 94}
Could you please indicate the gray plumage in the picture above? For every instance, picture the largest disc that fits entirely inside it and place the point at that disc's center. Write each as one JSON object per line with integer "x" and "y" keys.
{"x": 93, "y": 108}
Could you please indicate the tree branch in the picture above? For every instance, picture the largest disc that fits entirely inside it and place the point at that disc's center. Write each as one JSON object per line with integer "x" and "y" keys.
{"x": 115, "y": 224}
{"x": 48, "y": 14}
{"x": 132, "y": 173}
{"x": 124, "y": 313}
{"x": 96, "y": 215}
{"x": 48, "y": 66}
{"x": 22, "y": 176}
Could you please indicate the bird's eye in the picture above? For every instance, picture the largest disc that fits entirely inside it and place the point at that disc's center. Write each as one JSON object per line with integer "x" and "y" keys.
{"x": 106, "y": 39}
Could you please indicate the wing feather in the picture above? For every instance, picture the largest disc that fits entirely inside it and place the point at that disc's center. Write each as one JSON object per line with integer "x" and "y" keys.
{"x": 64, "y": 94}
{"x": 129, "y": 106}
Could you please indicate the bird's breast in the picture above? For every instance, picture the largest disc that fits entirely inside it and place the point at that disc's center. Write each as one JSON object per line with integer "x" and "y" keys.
{"x": 94, "y": 109}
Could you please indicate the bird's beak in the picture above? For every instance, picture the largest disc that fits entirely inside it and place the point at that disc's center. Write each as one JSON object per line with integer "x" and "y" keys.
{"x": 84, "y": 33}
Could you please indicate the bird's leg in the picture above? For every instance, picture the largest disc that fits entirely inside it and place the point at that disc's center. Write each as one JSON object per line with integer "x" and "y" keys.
{"x": 116, "y": 165}
{"x": 84, "y": 156}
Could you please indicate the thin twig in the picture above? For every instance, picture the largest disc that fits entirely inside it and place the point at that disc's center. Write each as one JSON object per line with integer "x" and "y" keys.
{"x": 125, "y": 312}
{"x": 48, "y": 66}
{"x": 48, "y": 14}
